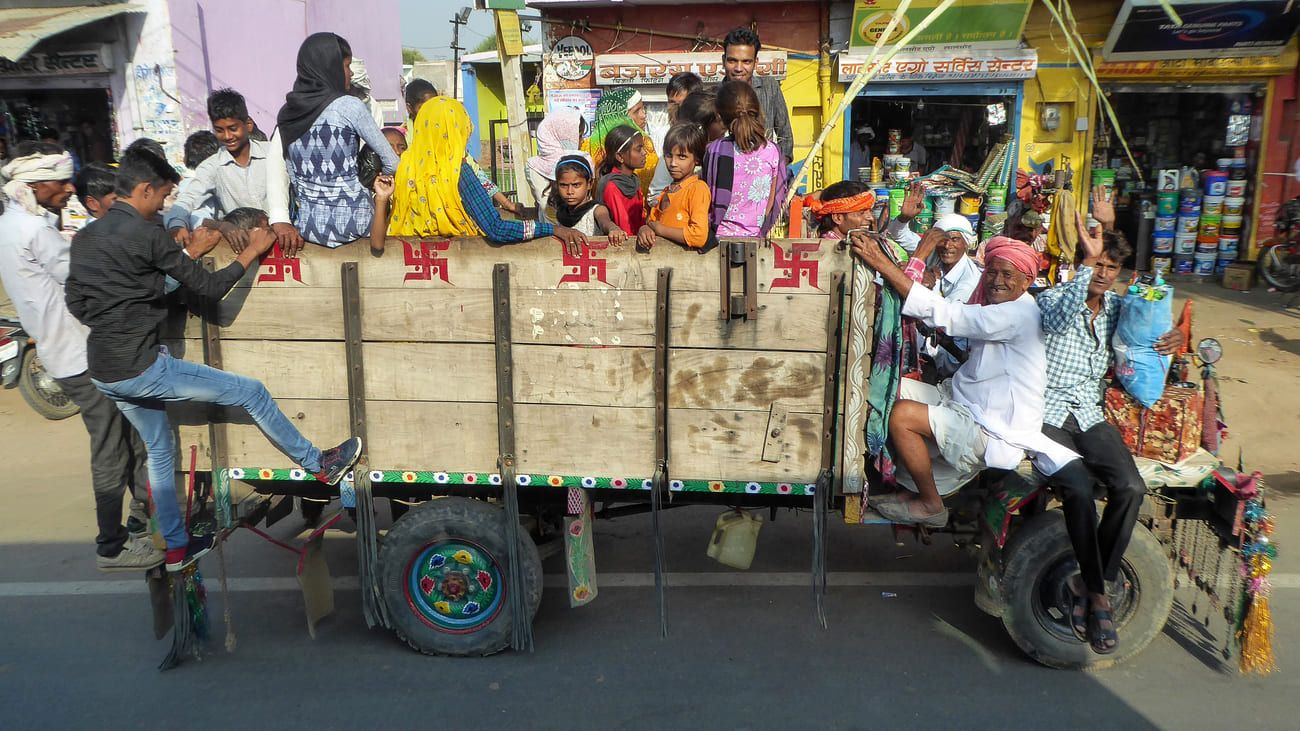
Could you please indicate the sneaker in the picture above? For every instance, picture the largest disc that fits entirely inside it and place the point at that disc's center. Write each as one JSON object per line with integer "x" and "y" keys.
{"x": 136, "y": 554}
{"x": 335, "y": 463}
{"x": 180, "y": 558}
{"x": 136, "y": 527}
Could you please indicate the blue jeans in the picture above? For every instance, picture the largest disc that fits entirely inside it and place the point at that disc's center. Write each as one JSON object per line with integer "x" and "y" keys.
{"x": 142, "y": 400}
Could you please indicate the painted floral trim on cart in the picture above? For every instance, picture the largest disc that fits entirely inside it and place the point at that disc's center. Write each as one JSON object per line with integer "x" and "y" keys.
{"x": 530, "y": 480}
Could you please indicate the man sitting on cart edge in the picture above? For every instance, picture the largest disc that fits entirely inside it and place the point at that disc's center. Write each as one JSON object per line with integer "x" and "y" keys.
{"x": 1079, "y": 319}
{"x": 115, "y": 287}
{"x": 990, "y": 414}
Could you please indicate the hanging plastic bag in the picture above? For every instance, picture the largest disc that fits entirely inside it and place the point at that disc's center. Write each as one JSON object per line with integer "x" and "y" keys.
{"x": 1145, "y": 313}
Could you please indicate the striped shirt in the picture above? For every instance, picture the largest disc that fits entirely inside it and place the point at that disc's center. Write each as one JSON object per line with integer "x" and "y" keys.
{"x": 1078, "y": 351}
{"x": 115, "y": 287}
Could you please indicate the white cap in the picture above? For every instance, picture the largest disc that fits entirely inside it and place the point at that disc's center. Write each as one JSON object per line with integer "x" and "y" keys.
{"x": 950, "y": 222}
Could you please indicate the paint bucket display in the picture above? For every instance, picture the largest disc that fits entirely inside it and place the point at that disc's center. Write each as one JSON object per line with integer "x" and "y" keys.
{"x": 1238, "y": 170}
{"x": 1188, "y": 223}
{"x": 1216, "y": 182}
{"x": 1160, "y": 264}
{"x": 896, "y": 196}
{"x": 997, "y": 197}
{"x": 1204, "y": 264}
{"x": 1207, "y": 246}
{"x": 1166, "y": 223}
{"x": 1184, "y": 244}
{"x": 923, "y": 222}
{"x": 1183, "y": 264}
{"x": 1229, "y": 244}
{"x": 1162, "y": 242}
{"x": 1233, "y": 206}
{"x": 1189, "y": 204}
{"x": 1212, "y": 205}
{"x": 970, "y": 204}
{"x": 974, "y": 219}
{"x": 1221, "y": 265}
{"x": 1210, "y": 227}
{"x": 1167, "y": 181}
{"x": 1103, "y": 176}
{"x": 1231, "y": 225}
{"x": 1167, "y": 203}
{"x": 1236, "y": 188}
{"x": 1224, "y": 163}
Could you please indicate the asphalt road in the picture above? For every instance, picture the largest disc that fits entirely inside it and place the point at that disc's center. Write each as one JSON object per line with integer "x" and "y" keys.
{"x": 905, "y": 647}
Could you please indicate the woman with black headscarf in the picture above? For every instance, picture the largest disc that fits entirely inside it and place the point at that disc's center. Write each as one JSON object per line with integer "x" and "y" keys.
{"x": 313, "y": 153}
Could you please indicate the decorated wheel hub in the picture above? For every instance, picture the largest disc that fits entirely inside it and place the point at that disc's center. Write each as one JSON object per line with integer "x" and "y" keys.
{"x": 454, "y": 586}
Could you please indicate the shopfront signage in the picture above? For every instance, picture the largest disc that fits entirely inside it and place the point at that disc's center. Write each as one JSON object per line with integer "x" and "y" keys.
{"x": 989, "y": 23}
{"x": 58, "y": 63}
{"x": 940, "y": 63}
{"x": 647, "y": 69}
{"x": 1189, "y": 69}
{"x": 1143, "y": 30}
{"x": 572, "y": 58}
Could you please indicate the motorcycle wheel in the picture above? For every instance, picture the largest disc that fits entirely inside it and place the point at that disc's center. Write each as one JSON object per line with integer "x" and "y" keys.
{"x": 41, "y": 392}
{"x": 1279, "y": 266}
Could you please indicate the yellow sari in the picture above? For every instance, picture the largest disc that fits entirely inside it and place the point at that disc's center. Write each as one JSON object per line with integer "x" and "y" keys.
{"x": 426, "y": 195}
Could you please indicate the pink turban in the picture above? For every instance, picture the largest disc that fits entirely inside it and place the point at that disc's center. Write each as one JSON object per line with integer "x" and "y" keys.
{"x": 1022, "y": 256}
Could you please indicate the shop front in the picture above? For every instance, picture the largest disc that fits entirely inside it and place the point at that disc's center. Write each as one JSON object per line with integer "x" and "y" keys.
{"x": 1192, "y": 104}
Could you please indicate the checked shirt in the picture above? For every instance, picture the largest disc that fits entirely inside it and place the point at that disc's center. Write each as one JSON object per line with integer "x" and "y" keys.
{"x": 1078, "y": 351}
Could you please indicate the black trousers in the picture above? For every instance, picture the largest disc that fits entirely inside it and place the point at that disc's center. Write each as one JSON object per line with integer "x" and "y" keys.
{"x": 118, "y": 462}
{"x": 1098, "y": 548}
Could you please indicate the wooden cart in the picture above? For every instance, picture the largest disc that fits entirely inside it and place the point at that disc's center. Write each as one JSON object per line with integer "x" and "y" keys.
{"x": 502, "y": 389}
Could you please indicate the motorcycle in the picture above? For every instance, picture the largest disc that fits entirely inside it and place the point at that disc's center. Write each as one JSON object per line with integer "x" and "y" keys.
{"x": 1279, "y": 257}
{"x": 20, "y": 366}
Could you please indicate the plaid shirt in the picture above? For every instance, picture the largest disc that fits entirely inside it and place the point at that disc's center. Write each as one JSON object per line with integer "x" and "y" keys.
{"x": 1078, "y": 351}
{"x": 478, "y": 204}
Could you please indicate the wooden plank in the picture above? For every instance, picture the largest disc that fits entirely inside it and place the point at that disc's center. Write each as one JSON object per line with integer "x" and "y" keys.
{"x": 552, "y": 439}
{"x": 451, "y": 315}
{"x": 744, "y": 380}
{"x": 791, "y": 265}
{"x": 728, "y": 445}
{"x": 291, "y": 369}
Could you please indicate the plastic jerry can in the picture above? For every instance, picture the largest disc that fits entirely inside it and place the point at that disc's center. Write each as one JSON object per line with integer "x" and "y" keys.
{"x": 734, "y": 538}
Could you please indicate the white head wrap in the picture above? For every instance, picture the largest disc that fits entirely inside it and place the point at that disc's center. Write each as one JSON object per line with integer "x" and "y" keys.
{"x": 950, "y": 222}
{"x": 36, "y": 168}
{"x": 633, "y": 100}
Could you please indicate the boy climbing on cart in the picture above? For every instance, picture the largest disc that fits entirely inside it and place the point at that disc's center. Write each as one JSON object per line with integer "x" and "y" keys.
{"x": 116, "y": 288}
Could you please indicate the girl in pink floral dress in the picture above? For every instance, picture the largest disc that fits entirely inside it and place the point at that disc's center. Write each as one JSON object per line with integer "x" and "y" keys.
{"x": 744, "y": 170}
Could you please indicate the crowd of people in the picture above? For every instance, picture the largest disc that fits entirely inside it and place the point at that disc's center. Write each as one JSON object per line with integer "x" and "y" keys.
{"x": 970, "y": 372}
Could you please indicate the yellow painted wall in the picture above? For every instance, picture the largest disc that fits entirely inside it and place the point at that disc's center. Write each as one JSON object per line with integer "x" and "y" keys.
{"x": 804, "y": 99}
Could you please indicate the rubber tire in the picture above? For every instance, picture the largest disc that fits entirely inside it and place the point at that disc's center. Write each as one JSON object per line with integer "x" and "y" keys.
{"x": 32, "y": 395}
{"x": 457, "y": 518}
{"x": 1262, "y": 267}
{"x": 1038, "y": 545}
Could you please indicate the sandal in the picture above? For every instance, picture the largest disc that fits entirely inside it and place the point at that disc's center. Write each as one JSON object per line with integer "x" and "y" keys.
{"x": 1104, "y": 641}
{"x": 898, "y": 512}
{"x": 1078, "y": 613}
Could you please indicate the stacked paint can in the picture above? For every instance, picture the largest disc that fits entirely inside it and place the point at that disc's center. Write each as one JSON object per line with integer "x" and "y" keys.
{"x": 1186, "y": 227}
{"x": 1207, "y": 232}
{"x": 1234, "y": 212}
{"x": 1166, "y": 227}
{"x": 925, "y": 219}
{"x": 995, "y": 212}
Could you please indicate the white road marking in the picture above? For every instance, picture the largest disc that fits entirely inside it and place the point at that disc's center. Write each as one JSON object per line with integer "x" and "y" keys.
{"x": 614, "y": 580}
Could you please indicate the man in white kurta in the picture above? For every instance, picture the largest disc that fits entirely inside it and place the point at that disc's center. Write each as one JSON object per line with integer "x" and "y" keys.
{"x": 990, "y": 413}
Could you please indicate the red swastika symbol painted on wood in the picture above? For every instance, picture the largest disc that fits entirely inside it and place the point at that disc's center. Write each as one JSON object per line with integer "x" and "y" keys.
{"x": 424, "y": 261}
{"x": 584, "y": 267}
{"x": 795, "y": 267}
{"x": 275, "y": 267}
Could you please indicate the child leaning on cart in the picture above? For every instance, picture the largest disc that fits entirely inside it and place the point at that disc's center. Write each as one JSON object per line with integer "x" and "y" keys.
{"x": 115, "y": 288}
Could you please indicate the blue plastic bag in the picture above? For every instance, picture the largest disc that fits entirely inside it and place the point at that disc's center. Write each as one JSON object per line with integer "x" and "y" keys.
{"x": 1139, "y": 368}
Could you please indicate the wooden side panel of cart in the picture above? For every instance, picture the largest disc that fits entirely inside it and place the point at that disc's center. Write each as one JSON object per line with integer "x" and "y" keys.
{"x": 745, "y": 397}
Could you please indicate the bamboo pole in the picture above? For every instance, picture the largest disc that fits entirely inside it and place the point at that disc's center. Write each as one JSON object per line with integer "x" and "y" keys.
{"x": 869, "y": 70}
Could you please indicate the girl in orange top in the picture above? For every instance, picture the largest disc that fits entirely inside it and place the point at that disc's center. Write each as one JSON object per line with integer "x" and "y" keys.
{"x": 682, "y": 215}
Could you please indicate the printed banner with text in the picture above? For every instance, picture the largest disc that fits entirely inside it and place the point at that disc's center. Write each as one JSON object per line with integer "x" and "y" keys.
{"x": 648, "y": 69}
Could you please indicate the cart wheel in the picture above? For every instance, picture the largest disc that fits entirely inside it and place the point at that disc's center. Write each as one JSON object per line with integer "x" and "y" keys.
{"x": 1038, "y": 567}
{"x": 443, "y": 567}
